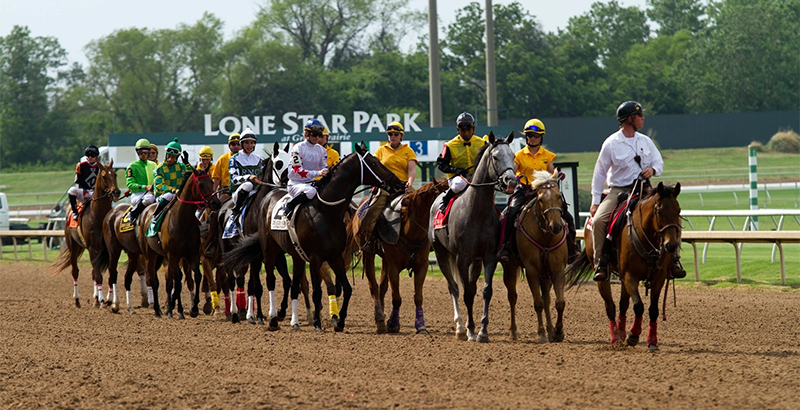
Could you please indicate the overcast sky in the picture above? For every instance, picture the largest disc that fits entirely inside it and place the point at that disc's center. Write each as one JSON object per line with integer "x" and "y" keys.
{"x": 76, "y": 22}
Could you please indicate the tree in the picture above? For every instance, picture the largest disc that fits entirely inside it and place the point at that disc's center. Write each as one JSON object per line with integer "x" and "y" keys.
{"x": 675, "y": 15}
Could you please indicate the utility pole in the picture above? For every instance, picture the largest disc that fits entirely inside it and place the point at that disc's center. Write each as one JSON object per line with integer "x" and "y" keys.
{"x": 433, "y": 66}
{"x": 491, "y": 86}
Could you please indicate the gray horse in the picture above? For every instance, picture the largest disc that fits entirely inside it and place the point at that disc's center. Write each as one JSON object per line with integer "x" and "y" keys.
{"x": 471, "y": 235}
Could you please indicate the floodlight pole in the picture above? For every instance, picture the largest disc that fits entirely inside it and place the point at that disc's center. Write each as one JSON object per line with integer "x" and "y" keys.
{"x": 433, "y": 66}
{"x": 491, "y": 86}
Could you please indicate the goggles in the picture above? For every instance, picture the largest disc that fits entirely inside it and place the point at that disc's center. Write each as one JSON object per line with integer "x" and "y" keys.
{"x": 465, "y": 126}
{"x": 173, "y": 151}
{"x": 533, "y": 128}
{"x": 394, "y": 128}
{"x": 315, "y": 129}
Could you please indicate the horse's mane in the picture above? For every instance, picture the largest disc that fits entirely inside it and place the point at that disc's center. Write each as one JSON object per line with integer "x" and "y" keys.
{"x": 479, "y": 156}
{"x": 541, "y": 178}
{"x": 414, "y": 196}
{"x": 185, "y": 178}
{"x": 320, "y": 183}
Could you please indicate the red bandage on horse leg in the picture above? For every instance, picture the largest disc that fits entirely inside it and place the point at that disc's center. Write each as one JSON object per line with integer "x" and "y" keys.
{"x": 621, "y": 323}
{"x": 636, "y": 327}
{"x": 652, "y": 334}
{"x": 227, "y": 304}
{"x": 241, "y": 303}
{"x": 614, "y": 339}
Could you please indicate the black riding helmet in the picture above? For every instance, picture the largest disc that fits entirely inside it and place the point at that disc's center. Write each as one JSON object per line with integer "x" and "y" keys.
{"x": 465, "y": 118}
{"x": 91, "y": 151}
{"x": 627, "y": 109}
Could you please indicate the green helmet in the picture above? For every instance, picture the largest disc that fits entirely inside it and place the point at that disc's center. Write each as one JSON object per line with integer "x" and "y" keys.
{"x": 142, "y": 144}
{"x": 174, "y": 148}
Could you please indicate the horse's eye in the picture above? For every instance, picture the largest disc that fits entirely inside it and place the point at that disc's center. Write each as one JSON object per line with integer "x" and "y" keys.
{"x": 279, "y": 164}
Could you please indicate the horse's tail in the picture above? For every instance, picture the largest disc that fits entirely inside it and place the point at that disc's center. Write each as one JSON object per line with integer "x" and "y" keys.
{"x": 579, "y": 271}
{"x": 240, "y": 257}
{"x": 351, "y": 250}
{"x": 64, "y": 259}
{"x": 101, "y": 261}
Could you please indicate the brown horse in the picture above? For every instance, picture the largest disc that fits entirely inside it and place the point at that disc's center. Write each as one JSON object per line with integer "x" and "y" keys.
{"x": 643, "y": 251}
{"x": 320, "y": 230}
{"x": 179, "y": 240}
{"x": 89, "y": 234}
{"x": 411, "y": 252}
{"x": 541, "y": 241}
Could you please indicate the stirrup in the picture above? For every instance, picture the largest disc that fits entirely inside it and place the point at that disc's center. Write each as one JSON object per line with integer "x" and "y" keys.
{"x": 601, "y": 274}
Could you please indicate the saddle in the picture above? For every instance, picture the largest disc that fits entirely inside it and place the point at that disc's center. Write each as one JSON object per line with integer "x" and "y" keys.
{"x": 155, "y": 223}
{"x": 125, "y": 224}
{"x": 73, "y": 222}
{"x": 440, "y": 219}
{"x": 617, "y": 222}
{"x": 388, "y": 226}
{"x": 278, "y": 222}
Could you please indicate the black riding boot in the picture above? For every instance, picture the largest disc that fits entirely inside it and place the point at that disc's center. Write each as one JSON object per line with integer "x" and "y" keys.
{"x": 288, "y": 209}
{"x": 514, "y": 207}
{"x": 237, "y": 207}
{"x": 448, "y": 195}
{"x": 134, "y": 213}
{"x": 162, "y": 203}
{"x": 573, "y": 250}
{"x": 601, "y": 272}
{"x": 73, "y": 201}
{"x": 677, "y": 271}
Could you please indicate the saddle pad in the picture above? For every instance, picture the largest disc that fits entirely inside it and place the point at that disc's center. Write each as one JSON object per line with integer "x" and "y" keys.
{"x": 388, "y": 225}
{"x": 231, "y": 226}
{"x": 440, "y": 220}
{"x": 155, "y": 223}
{"x": 278, "y": 220}
{"x": 125, "y": 224}
{"x": 73, "y": 223}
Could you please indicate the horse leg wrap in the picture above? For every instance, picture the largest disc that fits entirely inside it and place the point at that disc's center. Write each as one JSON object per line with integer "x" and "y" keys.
{"x": 394, "y": 318}
{"x": 100, "y": 293}
{"x": 128, "y": 298}
{"x": 227, "y": 304}
{"x": 116, "y": 297}
{"x": 636, "y": 327}
{"x": 652, "y": 334}
{"x": 150, "y": 295}
{"x": 94, "y": 290}
{"x": 613, "y": 327}
{"x": 334, "y": 305}
{"x": 419, "y": 322}
{"x": 295, "y": 319}
{"x": 214, "y": 300}
{"x": 273, "y": 310}
{"x": 240, "y": 299}
{"x": 234, "y": 303}
{"x": 251, "y": 300}
{"x": 75, "y": 293}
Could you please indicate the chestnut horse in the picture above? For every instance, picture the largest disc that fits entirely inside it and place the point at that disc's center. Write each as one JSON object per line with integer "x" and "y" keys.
{"x": 469, "y": 241}
{"x": 643, "y": 251}
{"x": 179, "y": 240}
{"x": 89, "y": 234}
{"x": 541, "y": 240}
{"x": 320, "y": 229}
{"x": 410, "y": 252}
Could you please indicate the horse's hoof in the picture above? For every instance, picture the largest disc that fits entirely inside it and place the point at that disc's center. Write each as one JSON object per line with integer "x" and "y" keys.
{"x": 108, "y": 302}
{"x": 242, "y": 314}
{"x": 234, "y": 319}
{"x": 281, "y": 315}
{"x": 422, "y": 331}
{"x": 194, "y": 312}
{"x": 207, "y": 309}
{"x": 381, "y": 327}
{"x": 181, "y": 316}
{"x": 295, "y": 327}
{"x": 77, "y": 303}
{"x": 483, "y": 338}
{"x": 251, "y": 320}
{"x": 652, "y": 348}
{"x": 393, "y": 328}
{"x": 318, "y": 328}
{"x": 131, "y": 310}
{"x": 273, "y": 325}
{"x": 633, "y": 340}
{"x": 260, "y": 321}
{"x": 558, "y": 337}
{"x": 157, "y": 313}
{"x": 334, "y": 321}
{"x": 169, "y": 315}
{"x": 461, "y": 336}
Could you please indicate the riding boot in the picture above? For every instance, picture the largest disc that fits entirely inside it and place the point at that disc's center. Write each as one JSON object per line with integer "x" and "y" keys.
{"x": 506, "y": 251}
{"x": 288, "y": 209}
{"x": 369, "y": 243}
{"x": 677, "y": 271}
{"x": 134, "y": 213}
{"x": 73, "y": 201}
{"x": 448, "y": 195}
{"x": 241, "y": 198}
{"x": 601, "y": 272}
{"x": 162, "y": 203}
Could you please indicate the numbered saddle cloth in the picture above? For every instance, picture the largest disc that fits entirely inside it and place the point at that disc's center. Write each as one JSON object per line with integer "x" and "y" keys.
{"x": 125, "y": 224}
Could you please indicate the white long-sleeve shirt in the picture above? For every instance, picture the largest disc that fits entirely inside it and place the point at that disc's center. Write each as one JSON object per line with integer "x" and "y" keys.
{"x": 616, "y": 165}
{"x": 307, "y": 161}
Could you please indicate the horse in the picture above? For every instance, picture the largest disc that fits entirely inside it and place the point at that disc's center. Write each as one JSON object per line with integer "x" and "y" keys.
{"x": 409, "y": 252}
{"x": 643, "y": 251}
{"x": 88, "y": 235}
{"x": 274, "y": 174}
{"x": 179, "y": 240}
{"x": 320, "y": 230}
{"x": 470, "y": 238}
{"x": 541, "y": 242}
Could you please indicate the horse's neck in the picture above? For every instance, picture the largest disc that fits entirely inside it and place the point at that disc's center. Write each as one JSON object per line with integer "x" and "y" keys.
{"x": 100, "y": 204}
{"x": 643, "y": 218}
{"x": 418, "y": 211}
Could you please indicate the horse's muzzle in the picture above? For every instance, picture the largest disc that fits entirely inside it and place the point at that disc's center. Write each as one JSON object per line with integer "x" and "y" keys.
{"x": 671, "y": 247}
{"x": 215, "y": 204}
{"x": 115, "y": 194}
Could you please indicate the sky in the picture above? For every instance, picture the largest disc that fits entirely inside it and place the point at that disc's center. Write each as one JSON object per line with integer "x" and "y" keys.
{"x": 77, "y": 22}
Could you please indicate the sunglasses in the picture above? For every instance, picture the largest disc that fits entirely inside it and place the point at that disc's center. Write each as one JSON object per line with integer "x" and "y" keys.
{"x": 533, "y": 134}
{"x": 394, "y": 134}
{"x": 236, "y": 144}
{"x": 464, "y": 126}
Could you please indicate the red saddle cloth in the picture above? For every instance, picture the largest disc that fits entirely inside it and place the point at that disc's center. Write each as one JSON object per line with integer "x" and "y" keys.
{"x": 440, "y": 220}
{"x": 73, "y": 223}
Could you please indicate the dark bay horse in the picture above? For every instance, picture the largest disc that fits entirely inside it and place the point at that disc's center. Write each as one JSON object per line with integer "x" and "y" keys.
{"x": 320, "y": 230}
{"x": 179, "y": 240}
{"x": 643, "y": 253}
{"x": 410, "y": 252}
{"x": 541, "y": 240}
{"x": 469, "y": 242}
{"x": 89, "y": 235}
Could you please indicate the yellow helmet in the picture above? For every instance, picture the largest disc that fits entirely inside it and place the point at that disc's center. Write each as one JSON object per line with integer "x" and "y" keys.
{"x": 326, "y": 132}
{"x": 535, "y": 125}
{"x": 395, "y": 127}
{"x": 206, "y": 152}
{"x": 234, "y": 137}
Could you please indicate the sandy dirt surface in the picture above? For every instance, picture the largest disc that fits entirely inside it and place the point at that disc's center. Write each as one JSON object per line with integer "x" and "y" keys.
{"x": 722, "y": 348}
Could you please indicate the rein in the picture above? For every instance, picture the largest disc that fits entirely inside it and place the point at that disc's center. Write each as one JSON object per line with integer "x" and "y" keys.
{"x": 363, "y": 164}
{"x": 204, "y": 197}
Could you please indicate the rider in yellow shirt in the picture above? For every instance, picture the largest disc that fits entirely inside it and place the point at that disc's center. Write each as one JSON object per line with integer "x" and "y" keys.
{"x": 221, "y": 174}
{"x": 333, "y": 156}
{"x": 458, "y": 155}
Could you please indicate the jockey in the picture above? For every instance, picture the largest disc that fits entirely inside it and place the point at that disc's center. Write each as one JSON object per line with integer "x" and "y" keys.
{"x": 402, "y": 161}
{"x": 458, "y": 155}
{"x": 85, "y": 177}
{"x": 244, "y": 167}
{"x": 625, "y": 155}
{"x": 309, "y": 160}
{"x": 140, "y": 179}
{"x": 221, "y": 174}
{"x": 333, "y": 156}
{"x": 206, "y": 160}
{"x": 154, "y": 154}
{"x": 169, "y": 176}
{"x": 533, "y": 157}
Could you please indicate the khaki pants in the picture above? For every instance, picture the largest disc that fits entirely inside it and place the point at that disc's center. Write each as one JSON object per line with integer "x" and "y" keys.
{"x": 600, "y": 221}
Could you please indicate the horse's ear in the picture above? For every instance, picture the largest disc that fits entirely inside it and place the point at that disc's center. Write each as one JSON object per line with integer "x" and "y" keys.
{"x": 286, "y": 148}
{"x": 510, "y": 137}
{"x": 275, "y": 148}
{"x": 361, "y": 148}
{"x": 677, "y": 189}
{"x": 111, "y": 164}
{"x": 492, "y": 138}
{"x": 661, "y": 190}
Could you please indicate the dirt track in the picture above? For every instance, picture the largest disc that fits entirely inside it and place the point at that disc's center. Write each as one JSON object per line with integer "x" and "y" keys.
{"x": 719, "y": 348}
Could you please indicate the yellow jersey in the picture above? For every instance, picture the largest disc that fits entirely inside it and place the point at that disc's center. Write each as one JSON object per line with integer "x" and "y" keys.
{"x": 527, "y": 162}
{"x": 221, "y": 170}
{"x": 396, "y": 160}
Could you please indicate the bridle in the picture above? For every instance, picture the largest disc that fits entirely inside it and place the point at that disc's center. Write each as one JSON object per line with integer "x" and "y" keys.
{"x": 495, "y": 182}
{"x": 205, "y": 201}
{"x": 545, "y": 227}
{"x": 363, "y": 164}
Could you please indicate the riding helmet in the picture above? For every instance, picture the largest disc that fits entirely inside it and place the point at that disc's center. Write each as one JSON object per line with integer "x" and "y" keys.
{"x": 142, "y": 144}
{"x": 627, "y": 109}
{"x": 233, "y": 138}
{"x": 91, "y": 151}
{"x": 248, "y": 134}
{"x": 314, "y": 126}
{"x": 534, "y": 125}
{"x": 206, "y": 152}
{"x": 395, "y": 127}
{"x": 174, "y": 148}
{"x": 465, "y": 118}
